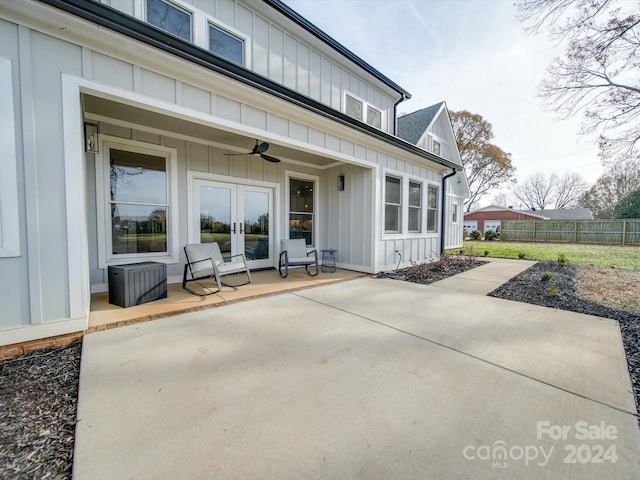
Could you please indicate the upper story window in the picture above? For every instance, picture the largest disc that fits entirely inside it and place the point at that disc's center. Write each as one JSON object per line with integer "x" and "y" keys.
{"x": 355, "y": 108}
{"x": 225, "y": 44}
{"x": 436, "y": 147}
{"x": 374, "y": 117}
{"x": 169, "y": 17}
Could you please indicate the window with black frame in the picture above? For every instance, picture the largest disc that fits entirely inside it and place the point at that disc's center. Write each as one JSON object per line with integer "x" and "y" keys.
{"x": 138, "y": 202}
{"x": 301, "y": 210}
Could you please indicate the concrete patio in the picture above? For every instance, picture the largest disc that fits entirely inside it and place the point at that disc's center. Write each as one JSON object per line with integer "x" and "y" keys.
{"x": 364, "y": 379}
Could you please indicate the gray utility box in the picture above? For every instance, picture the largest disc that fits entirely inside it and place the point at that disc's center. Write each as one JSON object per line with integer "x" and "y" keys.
{"x": 137, "y": 283}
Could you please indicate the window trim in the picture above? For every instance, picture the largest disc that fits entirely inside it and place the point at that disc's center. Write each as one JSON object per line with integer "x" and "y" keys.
{"x": 106, "y": 256}
{"x": 364, "y": 110}
{"x": 400, "y": 206}
{"x": 420, "y": 207}
{"x": 9, "y": 206}
{"x": 454, "y": 212}
{"x": 437, "y": 209}
{"x": 289, "y": 175}
{"x": 404, "y": 232}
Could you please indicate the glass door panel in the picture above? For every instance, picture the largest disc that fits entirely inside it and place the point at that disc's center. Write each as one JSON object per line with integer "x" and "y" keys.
{"x": 256, "y": 225}
{"x": 216, "y": 215}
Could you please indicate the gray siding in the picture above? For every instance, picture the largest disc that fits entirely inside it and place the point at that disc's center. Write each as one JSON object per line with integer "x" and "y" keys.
{"x": 284, "y": 57}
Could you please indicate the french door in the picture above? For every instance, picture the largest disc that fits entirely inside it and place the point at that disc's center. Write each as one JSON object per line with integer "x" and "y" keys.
{"x": 238, "y": 217}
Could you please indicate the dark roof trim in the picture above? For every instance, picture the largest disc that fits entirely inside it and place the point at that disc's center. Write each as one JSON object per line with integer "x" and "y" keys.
{"x": 311, "y": 28}
{"x": 117, "y": 21}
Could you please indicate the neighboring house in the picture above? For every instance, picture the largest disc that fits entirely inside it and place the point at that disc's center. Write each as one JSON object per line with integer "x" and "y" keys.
{"x": 121, "y": 126}
{"x": 431, "y": 129}
{"x": 490, "y": 218}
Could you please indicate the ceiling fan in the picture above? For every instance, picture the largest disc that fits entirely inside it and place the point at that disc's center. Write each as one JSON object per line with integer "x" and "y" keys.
{"x": 259, "y": 150}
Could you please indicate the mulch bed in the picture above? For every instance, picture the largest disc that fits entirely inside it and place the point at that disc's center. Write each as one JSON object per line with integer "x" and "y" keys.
{"x": 39, "y": 390}
{"x": 429, "y": 272}
{"x": 38, "y": 401}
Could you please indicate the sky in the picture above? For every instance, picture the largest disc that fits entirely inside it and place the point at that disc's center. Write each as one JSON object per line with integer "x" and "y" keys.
{"x": 475, "y": 56}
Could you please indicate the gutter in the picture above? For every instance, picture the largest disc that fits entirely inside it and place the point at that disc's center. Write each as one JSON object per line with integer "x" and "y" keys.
{"x": 124, "y": 24}
{"x": 442, "y": 202}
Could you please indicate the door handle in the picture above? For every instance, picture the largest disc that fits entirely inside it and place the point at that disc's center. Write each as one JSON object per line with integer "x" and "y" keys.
{"x": 233, "y": 230}
{"x": 241, "y": 230}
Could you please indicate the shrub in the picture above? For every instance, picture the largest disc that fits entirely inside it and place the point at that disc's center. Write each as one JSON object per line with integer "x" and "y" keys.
{"x": 521, "y": 255}
{"x": 546, "y": 276}
{"x": 552, "y": 291}
{"x": 628, "y": 206}
{"x": 490, "y": 235}
{"x": 486, "y": 253}
{"x": 476, "y": 235}
{"x": 562, "y": 261}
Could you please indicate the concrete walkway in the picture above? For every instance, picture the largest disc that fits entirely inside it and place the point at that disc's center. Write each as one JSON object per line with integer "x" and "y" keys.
{"x": 371, "y": 379}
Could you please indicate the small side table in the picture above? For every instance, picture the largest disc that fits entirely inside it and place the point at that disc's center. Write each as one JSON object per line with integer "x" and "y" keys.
{"x": 328, "y": 260}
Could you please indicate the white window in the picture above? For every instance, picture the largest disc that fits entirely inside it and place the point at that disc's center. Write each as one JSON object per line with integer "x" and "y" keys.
{"x": 302, "y": 209}
{"x": 169, "y": 17}
{"x": 436, "y": 147}
{"x": 356, "y": 108}
{"x": 454, "y": 212}
{"x": 392, "y": 204}
{"x": 225, "y": 44}
{"x": 374, "y": 117}
{"x": 415, "y": 207}
{"x": 432, "y": 208}
{"x": 137, "y": 190}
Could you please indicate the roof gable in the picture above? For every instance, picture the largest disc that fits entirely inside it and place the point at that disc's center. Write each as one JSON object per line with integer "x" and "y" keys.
{"x": 412, "y": 126}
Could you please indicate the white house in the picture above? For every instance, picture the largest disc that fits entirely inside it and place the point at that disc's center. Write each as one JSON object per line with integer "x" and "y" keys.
{"x": 127, "y": 130}
{"x": 430, "y": 128}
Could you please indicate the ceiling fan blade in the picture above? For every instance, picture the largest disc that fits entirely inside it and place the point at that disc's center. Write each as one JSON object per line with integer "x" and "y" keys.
{"x": 260, "y": 147}
{"x": 236, "y": 154}
{"x": 269, "y": 158}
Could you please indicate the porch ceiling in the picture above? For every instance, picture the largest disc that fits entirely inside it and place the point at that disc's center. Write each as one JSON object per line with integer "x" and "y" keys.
{"x": 143, "y": 119}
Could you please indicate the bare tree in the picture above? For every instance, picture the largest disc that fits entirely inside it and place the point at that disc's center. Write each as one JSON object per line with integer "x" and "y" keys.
{"x": 568, "y": 190}
{"x": 599, "y": 74}
{"x": 486, "y": 165}
{"x": 616, "y": 182}
{"x": 539, "y": 191}
{"x": 535, "y": 192}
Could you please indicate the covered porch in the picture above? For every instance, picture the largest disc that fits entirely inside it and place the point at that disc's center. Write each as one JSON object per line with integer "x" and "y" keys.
{"x": 104, "y": 315}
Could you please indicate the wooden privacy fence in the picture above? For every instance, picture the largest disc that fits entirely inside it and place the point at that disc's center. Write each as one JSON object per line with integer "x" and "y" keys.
{"x": 611, "y": 232}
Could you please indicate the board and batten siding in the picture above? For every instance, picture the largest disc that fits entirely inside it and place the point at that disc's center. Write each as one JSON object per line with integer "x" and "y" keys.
{"x": 279, "y": 53}
{"x": 51, "y": 70}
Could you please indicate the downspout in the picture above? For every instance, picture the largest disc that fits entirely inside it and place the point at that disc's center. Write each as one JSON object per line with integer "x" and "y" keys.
{"x": 442, "y": 202}
{"x": 402, "y": 98}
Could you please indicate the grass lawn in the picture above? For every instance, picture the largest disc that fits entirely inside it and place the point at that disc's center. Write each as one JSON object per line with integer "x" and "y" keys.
{"x": 625, "y": 258}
